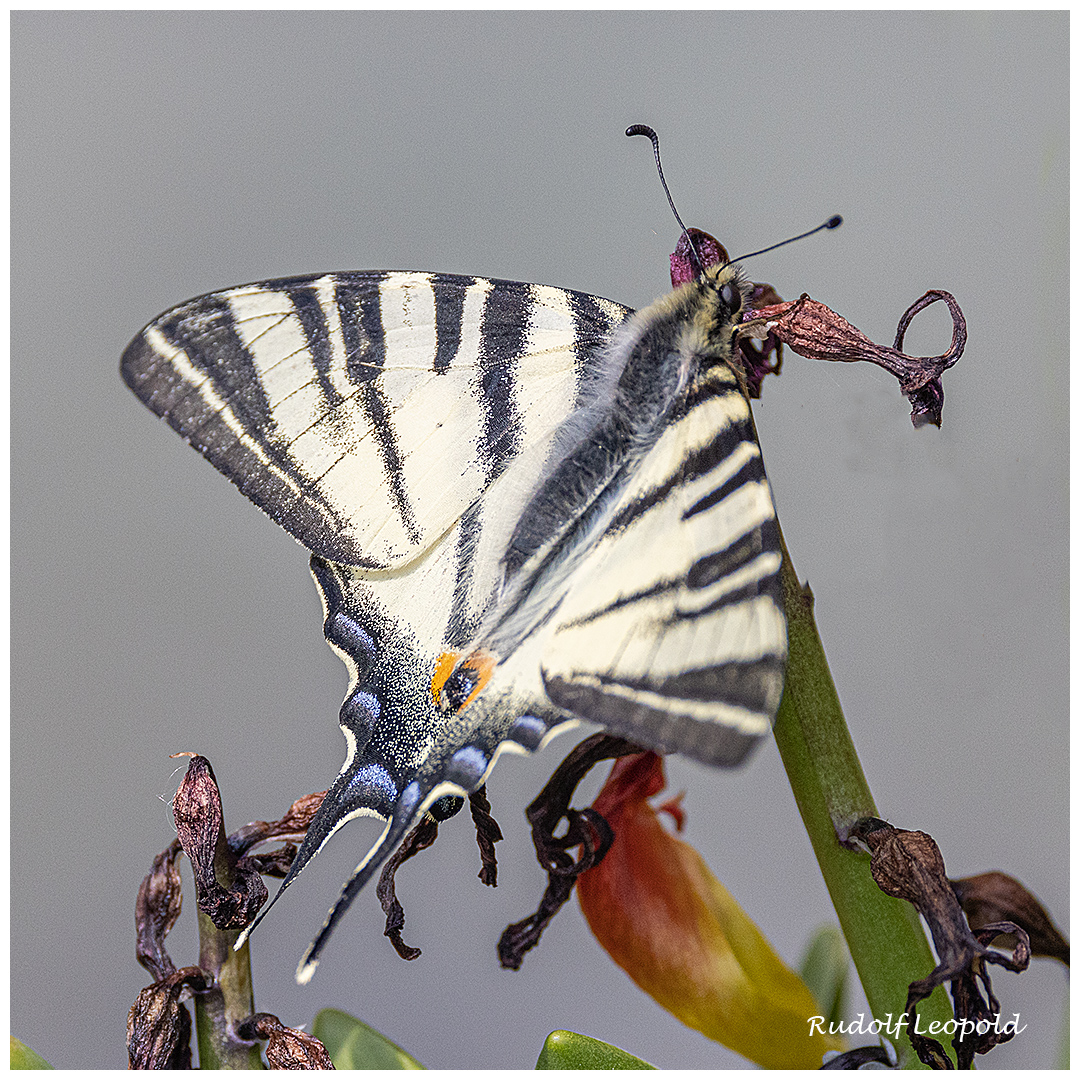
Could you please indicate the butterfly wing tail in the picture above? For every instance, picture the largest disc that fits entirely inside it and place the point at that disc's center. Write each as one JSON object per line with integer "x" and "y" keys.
{"x": 392, "y": 836}
{"x": 362, "y": 789}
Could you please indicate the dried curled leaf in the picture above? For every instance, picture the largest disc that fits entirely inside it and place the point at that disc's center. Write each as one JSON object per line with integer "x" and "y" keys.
{"x": 274, "y": 863}
{"x": 286, "y": 1048}
{"x": 423, "y": 836}
{"x": 585, "y": 829}
{"x": 159, "y": 1026}
{"x": 488, "y": 834}
{"x": 294, "y": 823}
{"x": 909, "y": 865}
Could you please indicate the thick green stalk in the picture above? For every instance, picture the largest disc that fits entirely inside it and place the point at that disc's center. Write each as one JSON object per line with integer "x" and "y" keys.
{"x": 232, "y": 999}
{"x": 884, "y": 935}
{"x": 219, "y": 1010}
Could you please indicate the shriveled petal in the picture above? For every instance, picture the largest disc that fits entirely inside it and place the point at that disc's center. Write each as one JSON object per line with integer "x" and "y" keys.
{"x": 656, "y": 908}
{"x": 817, "y": 332}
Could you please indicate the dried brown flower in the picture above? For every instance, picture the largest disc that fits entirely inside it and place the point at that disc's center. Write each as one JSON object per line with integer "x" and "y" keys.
{"x": 200, "y": 828}
{"x": 996, "y": 897}
{"x": 909, "y": 865}
{"x": 286, "y": 1048}
{"x": 157, "y": 908}
{"x": 159, "y": 1026}
{"x": 817, "y": 332}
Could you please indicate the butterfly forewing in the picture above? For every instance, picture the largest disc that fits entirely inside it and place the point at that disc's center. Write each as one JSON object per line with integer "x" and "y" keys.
{"x": 365, "y": 412}
{"x": 673, "y": 631}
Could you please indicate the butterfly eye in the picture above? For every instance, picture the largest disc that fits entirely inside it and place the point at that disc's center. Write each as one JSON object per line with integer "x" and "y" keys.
{"x": 731, "y": 296}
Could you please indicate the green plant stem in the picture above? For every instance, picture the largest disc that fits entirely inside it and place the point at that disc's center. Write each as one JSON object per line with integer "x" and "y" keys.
{"x": 219, "y": 1010}
{"x": 232, "y": 999}
{"x": 884, "y": 935}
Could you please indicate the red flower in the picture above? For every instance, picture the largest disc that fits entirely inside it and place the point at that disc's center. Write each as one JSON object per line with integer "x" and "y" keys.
{"x": 656, "y": 908}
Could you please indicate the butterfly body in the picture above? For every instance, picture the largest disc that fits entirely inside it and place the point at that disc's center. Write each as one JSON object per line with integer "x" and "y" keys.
{"x": 525, "y": 506}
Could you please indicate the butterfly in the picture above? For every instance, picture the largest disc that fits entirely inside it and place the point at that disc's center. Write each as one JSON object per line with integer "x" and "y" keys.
{"x": 524, "y": 505}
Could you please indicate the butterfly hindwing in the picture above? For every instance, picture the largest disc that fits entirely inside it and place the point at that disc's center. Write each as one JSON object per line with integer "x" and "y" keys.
{"x": 404, "y": 750}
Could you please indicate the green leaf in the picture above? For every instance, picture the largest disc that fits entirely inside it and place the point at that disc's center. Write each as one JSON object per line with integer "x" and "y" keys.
{"x": 568, "y": 1050}
{"x": 351, "y": 1044}
{"x": 1062, "y": 1061}
{"x": 824, "y": 969}
{"x": 22, "y": 1057}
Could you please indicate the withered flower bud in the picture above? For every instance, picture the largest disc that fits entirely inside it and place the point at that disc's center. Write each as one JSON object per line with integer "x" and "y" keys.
{"x": 286, "y": 1048}
{"x": 159, "y": 1026}
{"x": 909, "y": 865}
{"x": 694, "y": 245}
{"x": 200, "y": 828}
{"x": 819, "y": 333}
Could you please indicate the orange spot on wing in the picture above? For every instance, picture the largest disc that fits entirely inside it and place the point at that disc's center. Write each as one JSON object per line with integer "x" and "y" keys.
{"x": 483, "y": 663}
{"x": 444, "y": 667}
{"x": 476, "y": 668}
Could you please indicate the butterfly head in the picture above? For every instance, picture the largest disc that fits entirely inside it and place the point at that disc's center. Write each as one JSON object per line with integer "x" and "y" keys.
{"x": 702, "y": 258}
{"x": 731, "y": 290}
{"x": 714, "y": 303}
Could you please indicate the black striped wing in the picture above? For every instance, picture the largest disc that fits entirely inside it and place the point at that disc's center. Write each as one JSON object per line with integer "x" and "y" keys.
{"x": 364, "y": 412}
{"x": 566, "y": 501}
{"x": 673, "y": 631}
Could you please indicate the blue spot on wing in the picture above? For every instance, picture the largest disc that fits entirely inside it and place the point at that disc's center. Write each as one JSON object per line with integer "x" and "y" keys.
{"x": 372, "y": 786}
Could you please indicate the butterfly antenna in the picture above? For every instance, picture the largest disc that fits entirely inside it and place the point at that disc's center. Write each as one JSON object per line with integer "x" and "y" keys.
{"x": 650, "y": 134}
{"x": 834, "y": 222}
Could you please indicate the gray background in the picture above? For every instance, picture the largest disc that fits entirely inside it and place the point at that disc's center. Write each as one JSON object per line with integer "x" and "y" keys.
{"x": 158, "y": 156}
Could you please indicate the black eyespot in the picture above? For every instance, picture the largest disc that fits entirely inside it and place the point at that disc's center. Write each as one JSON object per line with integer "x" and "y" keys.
{"x": 730, "y": 295}
{"x": 457, "y": 688}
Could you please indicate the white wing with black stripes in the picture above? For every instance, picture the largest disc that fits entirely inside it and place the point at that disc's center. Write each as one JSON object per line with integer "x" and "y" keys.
{"x": 365, "y": 412}
{"x": 525, "y": 506}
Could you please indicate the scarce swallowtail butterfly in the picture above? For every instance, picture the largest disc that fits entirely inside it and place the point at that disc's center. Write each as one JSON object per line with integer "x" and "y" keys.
{"x": 524, "y": 505}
